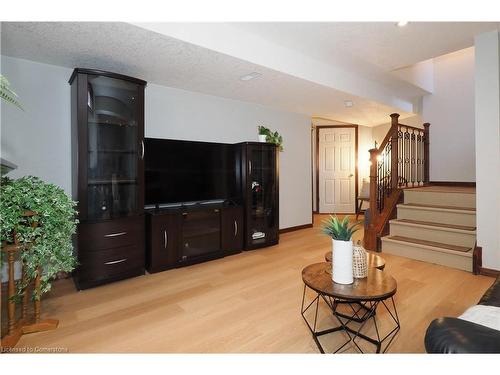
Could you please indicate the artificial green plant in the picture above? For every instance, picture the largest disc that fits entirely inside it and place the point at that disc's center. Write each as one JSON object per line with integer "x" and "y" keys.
{"x": 271, "y": 137}
{"x": 49, "y": 244}
{"x": 340, "y": 229}
{"x": 7, "y": 94}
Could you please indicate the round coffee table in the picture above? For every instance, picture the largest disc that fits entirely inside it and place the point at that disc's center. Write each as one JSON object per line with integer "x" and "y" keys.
{"x": 363, "y": 297}
{"x": 374, "y": 260}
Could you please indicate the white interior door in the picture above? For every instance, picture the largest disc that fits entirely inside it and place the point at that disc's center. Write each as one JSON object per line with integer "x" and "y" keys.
{"x": 337, "y": 169}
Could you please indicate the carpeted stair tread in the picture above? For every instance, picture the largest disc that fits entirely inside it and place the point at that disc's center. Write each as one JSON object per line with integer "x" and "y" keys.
{"x": 439, "y": 207}
{"x": 440, "y": 225}
{"x": 462, "y": 249}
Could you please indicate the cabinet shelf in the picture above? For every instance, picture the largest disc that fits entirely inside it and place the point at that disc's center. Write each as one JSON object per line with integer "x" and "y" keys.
{"x": 110, "y": 181}
{"x": 101, "y": 123}
{"x": 200, "y": 232}
{"x": 110, "y": 151}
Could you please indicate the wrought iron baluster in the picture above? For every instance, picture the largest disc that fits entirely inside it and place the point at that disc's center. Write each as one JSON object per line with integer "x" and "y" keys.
{"x": 400, "y": 159}
{"x": 406, "y": 156}
{"x": 412, "y": 158}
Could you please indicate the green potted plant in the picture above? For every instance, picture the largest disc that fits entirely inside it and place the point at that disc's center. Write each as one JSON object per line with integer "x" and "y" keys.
{"x": 266, "y": 135}
{"x": 7, "y": 94}
{"x": 341, "y": 233}
{"x": 49, "y": 243}
{"x": 263, "y": 132}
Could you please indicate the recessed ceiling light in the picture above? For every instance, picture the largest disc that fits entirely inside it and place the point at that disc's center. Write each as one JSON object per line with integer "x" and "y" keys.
{"x": 402, "y": 23}
{"x": 348, "y": 103}
{"x": 248, "y": 77}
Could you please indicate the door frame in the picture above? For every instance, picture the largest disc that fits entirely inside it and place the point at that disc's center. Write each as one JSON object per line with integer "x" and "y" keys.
{"x": 356, "y": 176}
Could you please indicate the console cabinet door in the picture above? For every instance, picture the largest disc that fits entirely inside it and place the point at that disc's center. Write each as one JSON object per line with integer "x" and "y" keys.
{"x": 232, "y": 229}
{"x": 164, "y": 242}
{"x": 261, "y": 195}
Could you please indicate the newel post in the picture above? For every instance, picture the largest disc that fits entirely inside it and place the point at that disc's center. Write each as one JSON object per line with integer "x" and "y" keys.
{"x": 394, "y": 150}
{"x": 426, "y": 153}
{"x": 370, "y": 237}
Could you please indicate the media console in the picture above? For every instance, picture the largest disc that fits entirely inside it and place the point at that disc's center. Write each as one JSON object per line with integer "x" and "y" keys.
{"x": 118, "y": 175}
{"x": 188, "y": 234}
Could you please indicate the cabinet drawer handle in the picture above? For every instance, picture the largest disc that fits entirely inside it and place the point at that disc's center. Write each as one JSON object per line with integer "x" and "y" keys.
{"x": 165, "y": 239}
{"x": 117, "y": 261}
{"x": 249, "y": 167}
{"x": 235, "y": 228}
{"x": 142, "y": 149}
{"x": 115, "y": 234}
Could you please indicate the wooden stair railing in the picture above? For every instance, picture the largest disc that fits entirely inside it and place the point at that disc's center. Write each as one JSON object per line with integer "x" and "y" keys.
{"x": 401, "y": 161}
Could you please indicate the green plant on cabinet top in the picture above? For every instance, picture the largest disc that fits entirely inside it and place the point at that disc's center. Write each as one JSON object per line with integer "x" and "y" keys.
{"x": 271, "y": 137}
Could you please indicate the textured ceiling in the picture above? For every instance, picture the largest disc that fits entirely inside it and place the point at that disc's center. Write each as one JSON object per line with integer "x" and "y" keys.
{"x": 372, "y": 49}
{"x": 130, "y": 50}
{"x": 371, "y": 45}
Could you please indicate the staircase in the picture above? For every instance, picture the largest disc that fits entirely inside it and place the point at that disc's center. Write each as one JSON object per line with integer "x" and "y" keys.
{"x": 436, "y": 225}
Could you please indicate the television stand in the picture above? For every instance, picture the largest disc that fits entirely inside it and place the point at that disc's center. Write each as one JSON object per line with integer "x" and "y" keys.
{"x": 177, "y": 236}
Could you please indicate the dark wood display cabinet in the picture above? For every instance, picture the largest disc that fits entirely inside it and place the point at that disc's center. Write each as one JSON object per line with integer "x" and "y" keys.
{"x": 107, "y": 132}
{"x": 185, "y": 235}
{"x": 260, "y": 192}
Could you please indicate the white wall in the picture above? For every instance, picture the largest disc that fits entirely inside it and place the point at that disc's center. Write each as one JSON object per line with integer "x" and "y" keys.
{"x": 420, "y": 74}
{"x": 487, "y": 131}
{"x": 450, "y": 111}
{"x": 179, "y": 114}
{"x": 38, "y": 140}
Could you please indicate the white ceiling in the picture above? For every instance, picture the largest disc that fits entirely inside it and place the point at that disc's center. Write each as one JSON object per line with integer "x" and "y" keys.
{"x": 367, "y": 45}
{"x": 365, "y": 51}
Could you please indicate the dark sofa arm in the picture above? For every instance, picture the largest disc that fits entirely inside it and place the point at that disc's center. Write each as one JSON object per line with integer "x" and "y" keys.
{"x": 453, "y": 335}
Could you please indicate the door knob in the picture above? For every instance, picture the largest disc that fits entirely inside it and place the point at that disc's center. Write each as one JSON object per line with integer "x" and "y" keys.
{"x": 351, "y": 175}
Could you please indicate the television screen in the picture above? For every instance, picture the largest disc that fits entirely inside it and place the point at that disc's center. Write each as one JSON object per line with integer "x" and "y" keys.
{"x": 187, "y": 171}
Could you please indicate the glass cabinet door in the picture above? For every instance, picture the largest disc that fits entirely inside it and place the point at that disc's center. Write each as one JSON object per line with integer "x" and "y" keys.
{"x": 112, "y": 174}
{"x": 262, "y": 180}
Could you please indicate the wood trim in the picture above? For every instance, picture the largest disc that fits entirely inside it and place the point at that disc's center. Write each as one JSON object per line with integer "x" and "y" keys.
{"x": 334, "y": 213}
{"x": 104, "y": 73}
{"x": 313, "y": 211}
{"x": 427, "y": 153}
{"x": 356, "y": 169}
{"x": 410, "y": 127}
{"x": 477, "y": 259}
{"x": 477, "y": 264}
{"x": 329, "y": 119}
{"x": 295, "y": 228}
{"x": 317, "y": 169}
{"x": 453, "y": 183}
{"x": 489, "y": 272}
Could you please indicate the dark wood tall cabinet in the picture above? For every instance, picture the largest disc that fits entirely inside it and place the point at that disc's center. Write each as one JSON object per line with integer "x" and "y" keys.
{"x": 260, "y": 191}
{"x": 107, "y": 134}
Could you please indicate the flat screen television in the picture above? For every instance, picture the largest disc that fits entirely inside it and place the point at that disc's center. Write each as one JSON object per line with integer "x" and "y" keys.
{"x": 188, "y": 171}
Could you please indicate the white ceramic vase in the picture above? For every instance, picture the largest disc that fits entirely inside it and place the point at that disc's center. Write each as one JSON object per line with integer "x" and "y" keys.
{"x": 342, "y": 262}
{"x": 262, "y": 138}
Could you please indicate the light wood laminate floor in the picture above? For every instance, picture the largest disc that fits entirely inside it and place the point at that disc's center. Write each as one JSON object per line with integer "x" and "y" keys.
{"x": 248, "y": 302}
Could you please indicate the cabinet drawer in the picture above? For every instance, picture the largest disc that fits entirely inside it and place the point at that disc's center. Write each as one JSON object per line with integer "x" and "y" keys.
{"x": 105, "y": 264}
{"x": 111, "y": 234}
